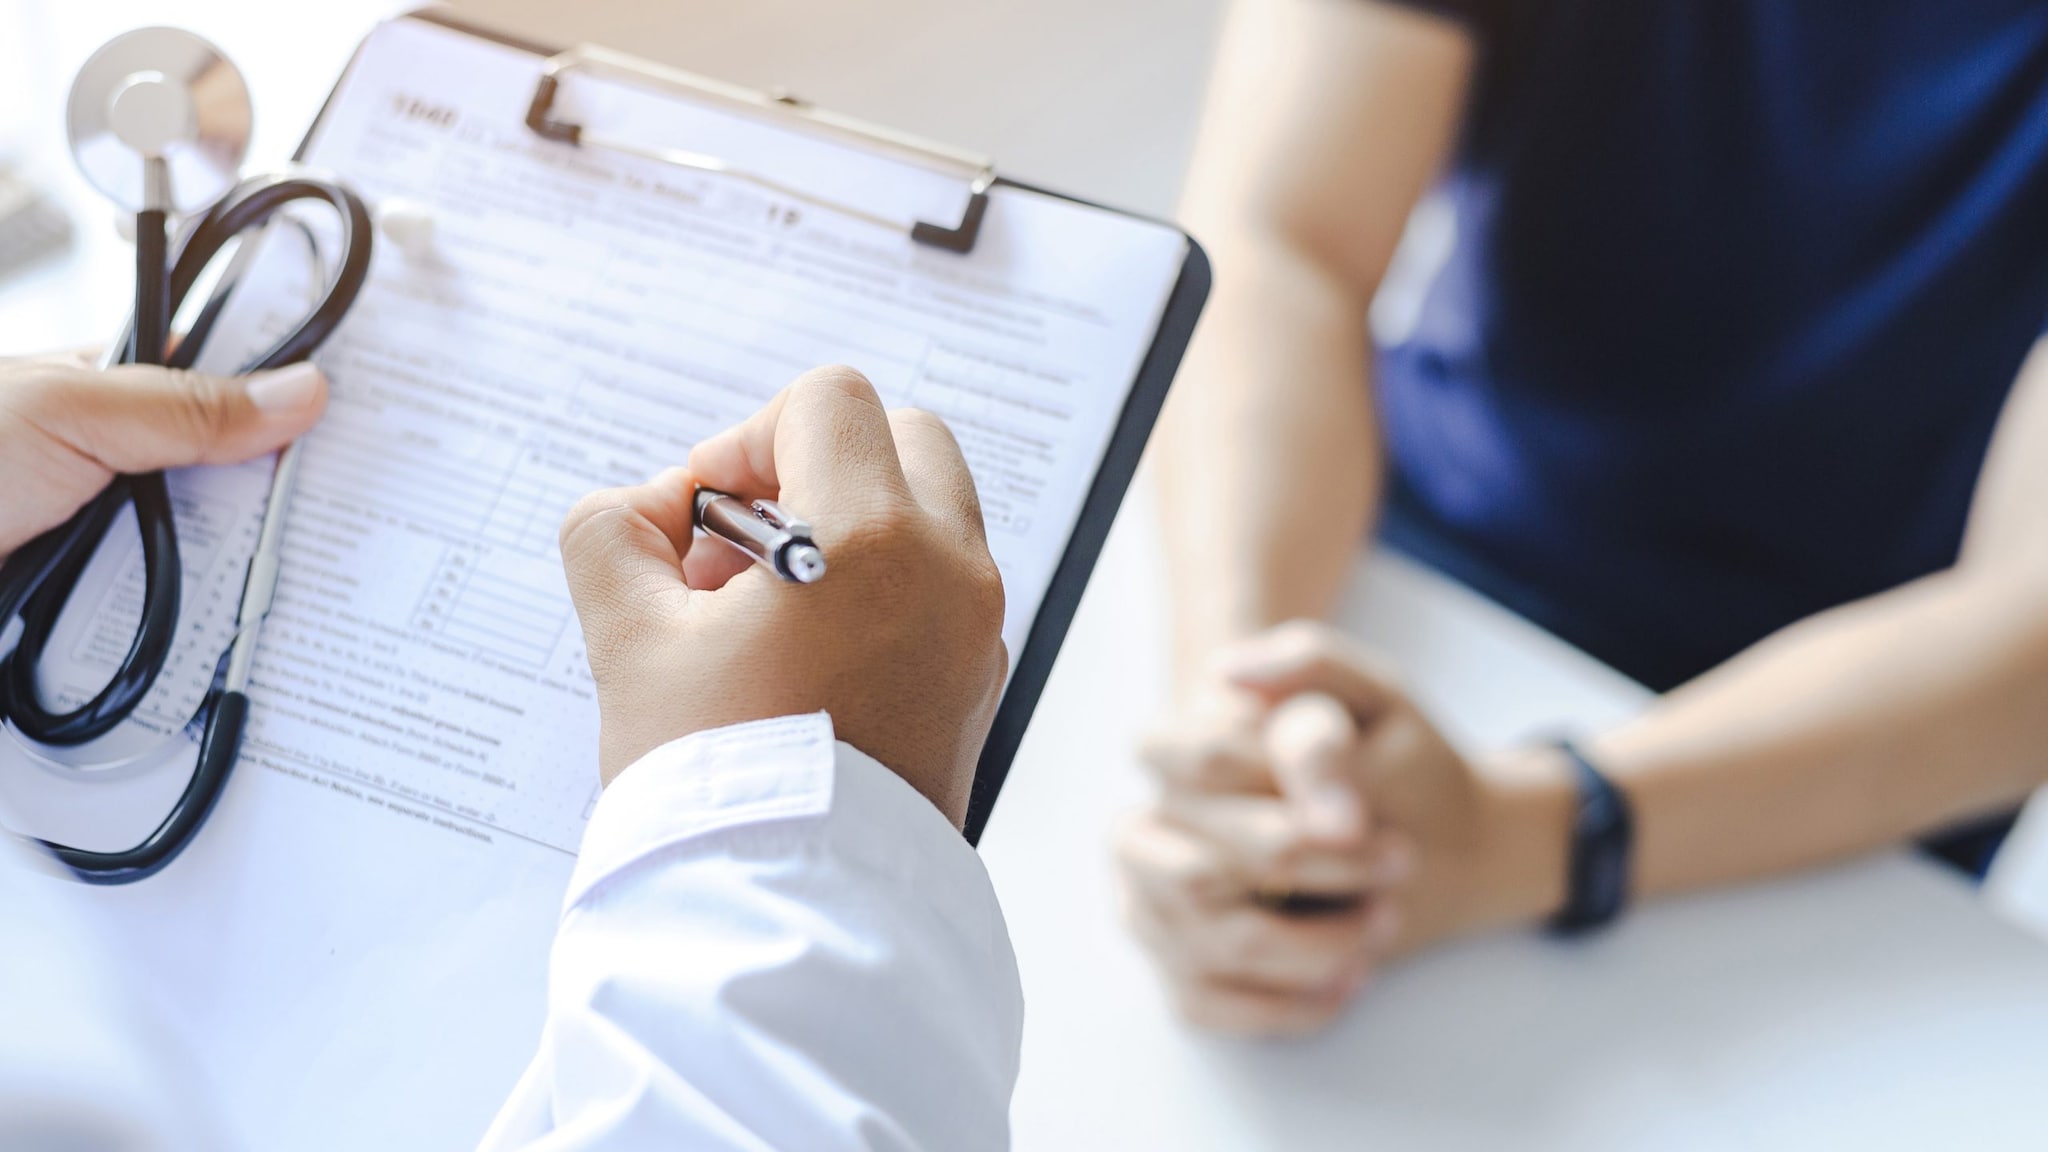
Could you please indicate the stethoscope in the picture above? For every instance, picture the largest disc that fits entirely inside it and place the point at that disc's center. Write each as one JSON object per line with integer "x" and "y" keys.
{"x": 159, "y": 123}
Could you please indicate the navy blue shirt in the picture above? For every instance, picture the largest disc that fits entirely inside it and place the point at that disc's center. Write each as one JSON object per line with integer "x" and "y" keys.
{"x": 1739, "y": 288}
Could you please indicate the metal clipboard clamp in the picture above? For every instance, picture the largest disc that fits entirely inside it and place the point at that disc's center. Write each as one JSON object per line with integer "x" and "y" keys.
{"x": 977, "y": 172}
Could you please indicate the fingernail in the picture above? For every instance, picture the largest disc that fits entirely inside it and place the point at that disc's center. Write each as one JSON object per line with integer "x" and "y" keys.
{"x": 285, "y": 390}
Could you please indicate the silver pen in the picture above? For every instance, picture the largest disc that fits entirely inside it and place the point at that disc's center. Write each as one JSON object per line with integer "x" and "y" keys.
{"x": 776, "y": 540}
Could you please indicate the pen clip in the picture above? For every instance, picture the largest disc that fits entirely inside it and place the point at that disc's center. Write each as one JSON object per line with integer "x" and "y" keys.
{"x": 773, "y": 515}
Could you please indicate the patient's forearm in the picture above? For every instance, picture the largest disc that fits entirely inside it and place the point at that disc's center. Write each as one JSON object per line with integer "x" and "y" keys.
{"x": 1876, "y": 721}
{"x": 1270, "y": 463}
{"x": 1324, "y": 124}
{"x": 1859, "y": 727}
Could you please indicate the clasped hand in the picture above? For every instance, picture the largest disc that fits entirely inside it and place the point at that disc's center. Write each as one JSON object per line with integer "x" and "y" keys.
{"x": 1312, "y": 824}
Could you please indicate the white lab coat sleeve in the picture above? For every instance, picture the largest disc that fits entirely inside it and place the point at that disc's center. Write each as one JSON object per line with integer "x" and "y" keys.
{"x": 772, "y": 942}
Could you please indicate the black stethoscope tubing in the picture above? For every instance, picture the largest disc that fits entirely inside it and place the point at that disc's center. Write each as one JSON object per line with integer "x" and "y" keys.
{"x": 37, "y": 581}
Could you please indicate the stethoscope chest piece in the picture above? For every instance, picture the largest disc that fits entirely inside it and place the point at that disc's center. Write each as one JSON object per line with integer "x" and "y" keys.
{"x": 171, "y": 98}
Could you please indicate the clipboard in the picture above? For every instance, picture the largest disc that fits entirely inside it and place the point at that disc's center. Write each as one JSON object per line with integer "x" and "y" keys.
{"x": 557, "y": 67}
{"x": 339, "y": 920}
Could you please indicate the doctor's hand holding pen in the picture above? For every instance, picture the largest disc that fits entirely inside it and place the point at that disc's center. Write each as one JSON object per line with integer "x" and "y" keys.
{"x": 901, "y": 643}
{"x": 67, "y": 428}
{"x": 796, "y": 974}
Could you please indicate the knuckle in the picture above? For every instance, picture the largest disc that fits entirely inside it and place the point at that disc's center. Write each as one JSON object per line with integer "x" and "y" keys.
{"x": 1278, "y": 860}
{"x": 1239, "y": 942}
{"x": 1154, "y": 860}
{"x": 1154, "y": 929}
{"x": 1158, "y": 748}
{"x": 1201, "y": 773}
{"x": 892, "y": 525}
{"x": 583, "y": 519}
{"x": 1375, "y": 669}
{"x": 985, "y": 590}
{"x": 1183, "y": 769}
{"x": 1309, "y": 637}
{"x": 202, "y": 407}
{"x": 882, "y": 540}
{"x": 1309, "y": 645}
{"x": 1174, "y": 877}
{"x": 1174, "y": 761}
{"x": 1399, "y": 738}
{"x": 1269, "y": 841}
{"x": 1262, "y": 855}
{"x": 1131, "y": 833}
{"x": 34, "y": 390}
{"x": 839, "y": 378}
{"x": 1170, "y": 877}
{"x": 1216, "y": 763}
{"x": 923, "y": 422}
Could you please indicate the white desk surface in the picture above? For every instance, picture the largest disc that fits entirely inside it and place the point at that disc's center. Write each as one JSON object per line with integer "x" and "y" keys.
{"x": 1878, "y": 1005}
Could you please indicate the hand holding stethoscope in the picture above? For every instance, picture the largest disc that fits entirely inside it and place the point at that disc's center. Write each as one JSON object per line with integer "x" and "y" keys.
{"x": 159, "y": 122}
{"x": 69, "y": 428}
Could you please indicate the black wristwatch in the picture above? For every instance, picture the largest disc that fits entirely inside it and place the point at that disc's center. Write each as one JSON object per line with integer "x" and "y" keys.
{"x": 1603, "y": 839}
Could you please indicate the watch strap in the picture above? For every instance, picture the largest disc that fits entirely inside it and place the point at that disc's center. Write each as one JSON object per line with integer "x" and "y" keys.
{"x": 1602, "y": 847}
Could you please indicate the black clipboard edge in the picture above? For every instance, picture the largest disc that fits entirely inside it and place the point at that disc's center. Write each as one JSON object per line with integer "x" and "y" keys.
{"x": 1105, "y": 497}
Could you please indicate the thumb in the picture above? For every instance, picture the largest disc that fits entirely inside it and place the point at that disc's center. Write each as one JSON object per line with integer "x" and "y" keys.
{"x": 141, "y": 418}
{"x": 1310, "y": 741}
{"x": 622, "y": 551}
